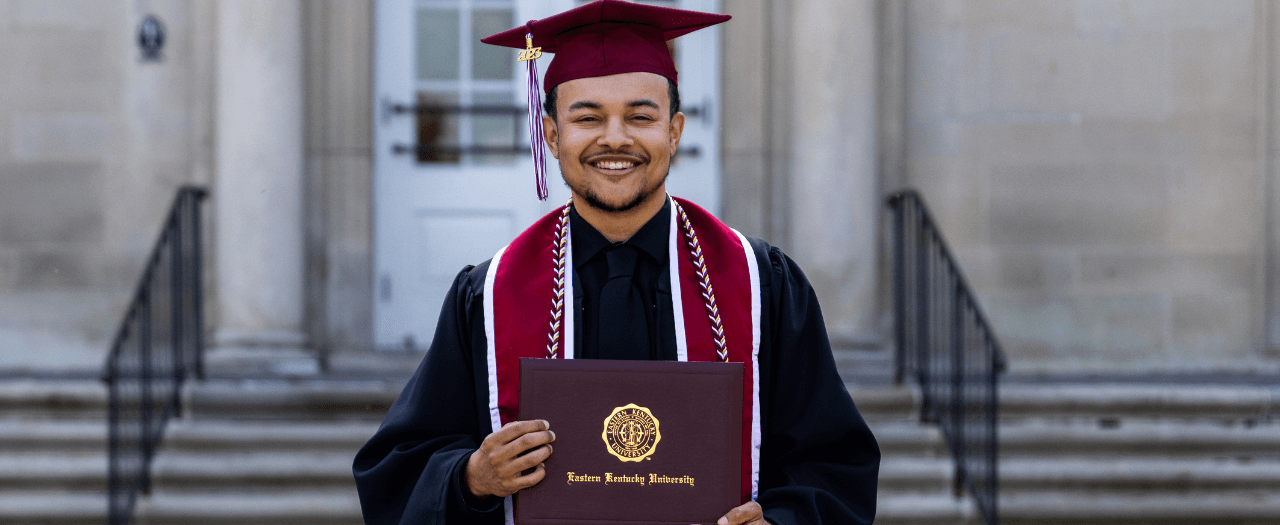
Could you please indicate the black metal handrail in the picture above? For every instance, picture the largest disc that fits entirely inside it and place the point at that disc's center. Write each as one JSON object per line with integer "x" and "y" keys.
{"x": 945, "y": 342}
{"x": 159, "y": 343}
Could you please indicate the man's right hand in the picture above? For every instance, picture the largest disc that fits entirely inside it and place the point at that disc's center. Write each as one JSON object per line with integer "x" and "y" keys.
{"x": 498, "y": 467}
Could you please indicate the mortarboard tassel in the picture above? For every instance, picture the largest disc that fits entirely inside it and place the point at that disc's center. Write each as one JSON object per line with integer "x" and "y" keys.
{"x": 530, "y": 57}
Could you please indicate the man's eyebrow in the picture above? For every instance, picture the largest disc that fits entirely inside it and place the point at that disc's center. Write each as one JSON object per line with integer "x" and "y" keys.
{"x": 643, "y": 102}
{"x": 584, "y": 104}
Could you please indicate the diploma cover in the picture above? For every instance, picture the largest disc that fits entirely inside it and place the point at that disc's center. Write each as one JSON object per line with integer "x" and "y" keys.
{"x": 639, "y": 442}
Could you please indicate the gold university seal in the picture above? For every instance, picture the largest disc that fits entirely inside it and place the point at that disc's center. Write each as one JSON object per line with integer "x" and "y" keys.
{"x": 631, "y": 433}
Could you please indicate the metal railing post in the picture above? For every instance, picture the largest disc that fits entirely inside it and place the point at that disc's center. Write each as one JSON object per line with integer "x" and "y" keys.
{"x": 923, "y": 325}
{"x": 144, "y": 321}
{"x": 957, "y": 388}
{"x": 993, "y": 431}
{"x": 144, "y": 373}
{"x": 176, "y": 306}
{"x": 197, "y": 283}
{"x": 957, "y": 358}
{"x": 899, "y": 296}
{"x": 113, "y": 440}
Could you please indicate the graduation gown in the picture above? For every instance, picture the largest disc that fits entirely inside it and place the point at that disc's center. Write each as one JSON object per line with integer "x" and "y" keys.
{"x": 818, "y": 459}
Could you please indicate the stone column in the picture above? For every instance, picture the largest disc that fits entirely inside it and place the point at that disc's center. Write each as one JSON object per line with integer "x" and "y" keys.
{"x": 1268, "y": 87}
{"x": 257, "y": 192}
{"x": 835, "y": 201}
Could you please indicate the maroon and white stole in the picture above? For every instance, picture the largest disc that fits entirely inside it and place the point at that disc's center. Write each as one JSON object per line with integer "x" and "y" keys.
{"x": 715, "y": 290}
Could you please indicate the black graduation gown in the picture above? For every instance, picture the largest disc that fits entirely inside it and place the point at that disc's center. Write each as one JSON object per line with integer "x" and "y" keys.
{"x": 818, "y": 459}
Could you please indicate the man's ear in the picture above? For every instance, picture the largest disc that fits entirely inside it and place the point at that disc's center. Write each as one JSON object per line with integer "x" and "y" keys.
{"x": 677, "y": 127}
{"x": 551, "y": 135}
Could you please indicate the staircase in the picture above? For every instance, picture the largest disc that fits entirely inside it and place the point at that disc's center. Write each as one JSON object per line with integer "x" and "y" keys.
{"x": 246, "y": 451}
{"x": 265, "y": 452}
{"x": 53, "y": 460}
{"x": 1095, "y": 453}
{"x": 279, "y": 452}
{"x": 1140, "y": 454}
{"x": 915, "y": 485}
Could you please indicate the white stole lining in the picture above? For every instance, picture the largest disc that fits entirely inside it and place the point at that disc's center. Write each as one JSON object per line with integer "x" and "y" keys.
{"x": 495, "y": 419}
{"x": 491, "y": 348}
{"x": 677, "y": 299}
{"x": 568, "y": 329}
{"x": 754, "y": 271}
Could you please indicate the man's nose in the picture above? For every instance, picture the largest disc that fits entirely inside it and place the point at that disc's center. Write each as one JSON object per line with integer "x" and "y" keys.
{"x": 615, "y": 135}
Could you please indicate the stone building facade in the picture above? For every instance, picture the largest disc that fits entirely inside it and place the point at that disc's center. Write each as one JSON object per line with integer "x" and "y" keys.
{"x": 1103, "y": 169}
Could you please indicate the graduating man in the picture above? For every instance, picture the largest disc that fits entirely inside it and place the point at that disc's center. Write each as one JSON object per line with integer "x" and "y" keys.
{"x": 629, "y": 273}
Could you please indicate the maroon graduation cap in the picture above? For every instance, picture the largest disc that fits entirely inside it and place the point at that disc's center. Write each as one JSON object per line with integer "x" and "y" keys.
{"x": 602, "y": 38}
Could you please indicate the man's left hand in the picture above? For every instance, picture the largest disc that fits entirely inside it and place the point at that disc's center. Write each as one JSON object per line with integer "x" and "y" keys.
{"x": 749, "y": 513}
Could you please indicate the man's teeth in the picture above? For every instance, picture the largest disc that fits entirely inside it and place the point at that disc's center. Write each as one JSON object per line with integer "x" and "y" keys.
{"x": 614, "y": 165}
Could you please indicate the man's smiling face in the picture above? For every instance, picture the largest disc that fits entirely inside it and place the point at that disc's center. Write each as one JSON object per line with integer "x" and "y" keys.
{"x": 614, "y": 138}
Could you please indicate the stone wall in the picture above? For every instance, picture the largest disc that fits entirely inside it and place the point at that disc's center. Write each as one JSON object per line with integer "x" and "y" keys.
{"x": 1102, "y": 169}
{"x": 93, "y": 145}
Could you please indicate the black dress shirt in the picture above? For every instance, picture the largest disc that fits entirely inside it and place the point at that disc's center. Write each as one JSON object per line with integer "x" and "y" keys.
{"x": 650, "y": 277}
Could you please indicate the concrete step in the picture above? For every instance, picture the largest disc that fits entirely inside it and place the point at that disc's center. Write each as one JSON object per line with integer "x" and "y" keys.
{"x": 186, "y": 436}
{"x": 55, "y": 471}
{"x": 297, "y": 470}
{"x": 306, "y": 400}
{"x": 908, "y": 439}
{"x": 63, "y": 400}
{"x": 313, "y": 507}
{"x": 862, "y": 362}
{"x": 1139, "y": 476}
{"x": 1224, "y": 403}
{"x": 915, "y": 475}
{"x": 52, "y": 508}
{"x": 886, "y": 402}
{"x": 924, "y": 509}
{"x": 1151, "y": 509}
{"x": 1136, "y": 477}
{"x": 1167, "y": 439}
{"x": 35, "y": 436}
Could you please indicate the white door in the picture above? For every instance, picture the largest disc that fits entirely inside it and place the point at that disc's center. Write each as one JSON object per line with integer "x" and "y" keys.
{"x": 453, "y": 179}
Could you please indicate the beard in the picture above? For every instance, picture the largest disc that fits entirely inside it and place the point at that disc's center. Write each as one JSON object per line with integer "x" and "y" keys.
{"x": 596, "y": 201}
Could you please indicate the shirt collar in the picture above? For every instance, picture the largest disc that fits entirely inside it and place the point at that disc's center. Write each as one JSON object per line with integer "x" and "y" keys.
{"x": 650, "y": 238}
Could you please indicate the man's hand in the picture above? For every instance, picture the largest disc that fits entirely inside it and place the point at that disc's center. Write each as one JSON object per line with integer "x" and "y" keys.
{"x": 498, "y": 467}
{"x": 749, "y": 513}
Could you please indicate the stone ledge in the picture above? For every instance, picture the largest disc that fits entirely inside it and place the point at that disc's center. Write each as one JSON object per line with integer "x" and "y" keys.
{"x": 295, "y": 470}
{"x": 309, "y": 400}
{"x": 53, "y": 398}
{"x": 923, "y": 509}
{"x": 53, "y": 469}
{"x": 1138, "y": 476}
{"x": 65, "y": 436}
{"x": 1142, "y": 439}
{"x": 28, "y": 507}
{"x": 1144, "y": 400}
{"x": 292, "y": 361}
{"x": 186, "y": 436}
{"x": 267, "y": 507}
{"x": 1104, "y": 509}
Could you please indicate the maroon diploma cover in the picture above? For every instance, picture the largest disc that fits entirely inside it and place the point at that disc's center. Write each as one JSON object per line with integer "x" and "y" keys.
{"x": 637, "y": 442}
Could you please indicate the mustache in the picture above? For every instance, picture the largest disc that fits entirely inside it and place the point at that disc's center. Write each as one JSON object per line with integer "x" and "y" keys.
{"x": 638, "y": 157}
